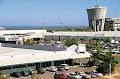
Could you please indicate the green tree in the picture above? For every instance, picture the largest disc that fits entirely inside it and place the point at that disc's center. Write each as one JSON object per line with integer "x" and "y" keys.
{"x": 107, "y": 40}
{"x": 69, "y": 42}
{"x": 93, "y": 45}
{"x": 104, "y": 59}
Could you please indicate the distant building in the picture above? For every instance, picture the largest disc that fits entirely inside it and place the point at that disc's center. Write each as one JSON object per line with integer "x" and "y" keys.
{"x": 2, "y": 28}
{"x": 12, "y": 36}
{"x": 112, "y": 24}
{"x": 96, "y": 17}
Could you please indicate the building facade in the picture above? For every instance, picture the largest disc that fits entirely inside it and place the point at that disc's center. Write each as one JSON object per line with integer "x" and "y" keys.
{"x": 13, "y": 36}
{"x": 112, "y": 24}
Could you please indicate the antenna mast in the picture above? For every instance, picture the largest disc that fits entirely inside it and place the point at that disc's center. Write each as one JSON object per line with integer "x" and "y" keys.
{"x": 96, "y": 3}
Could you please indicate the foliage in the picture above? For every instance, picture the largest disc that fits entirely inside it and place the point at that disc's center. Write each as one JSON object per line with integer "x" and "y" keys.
{"x": 69, "y": 42}
{"x": 93, "y": 45}
{"x": 28, "y": 41}
{"x": 104, "y": 60}
{"x": 70, "y": 28}
{"x": 107, "y": 40}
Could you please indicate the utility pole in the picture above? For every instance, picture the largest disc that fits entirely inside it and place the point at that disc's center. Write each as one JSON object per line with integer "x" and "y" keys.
{"x": 110, "y": 69}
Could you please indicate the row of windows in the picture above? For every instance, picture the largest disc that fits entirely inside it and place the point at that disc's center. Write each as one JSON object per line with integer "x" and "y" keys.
{"x": 13, "y": 34}
{"x": 44, "y": 64}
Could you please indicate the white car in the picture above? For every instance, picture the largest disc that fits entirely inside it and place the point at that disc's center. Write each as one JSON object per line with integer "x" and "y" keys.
{"x": 87, "y": 76}
{"x": 74, "y": 76}
{"x": 77, "y": 77}
{"x": 53, "y": 68}
{"x": 65, "y": 66}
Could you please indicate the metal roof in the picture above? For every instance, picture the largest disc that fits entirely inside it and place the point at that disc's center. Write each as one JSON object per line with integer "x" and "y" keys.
{"x": 88, "y": 34}
{"x": 13, "y": 56}
{"x": 35, "y": 47}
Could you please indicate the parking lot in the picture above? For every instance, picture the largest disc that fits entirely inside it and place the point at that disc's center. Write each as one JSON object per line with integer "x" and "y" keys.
{"x": 50, "y": 75}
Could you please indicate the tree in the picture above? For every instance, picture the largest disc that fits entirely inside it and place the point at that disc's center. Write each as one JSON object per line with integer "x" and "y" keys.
{"x": 107, "y": 40}
{"x": 93, "y": 45}
{"x": 69, "y": 42}
{"x": 104, "y": 59}
{"x": 28, "y": 42}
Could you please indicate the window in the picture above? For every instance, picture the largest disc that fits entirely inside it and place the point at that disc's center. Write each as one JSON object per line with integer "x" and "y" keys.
{"x": 81, "y": 52}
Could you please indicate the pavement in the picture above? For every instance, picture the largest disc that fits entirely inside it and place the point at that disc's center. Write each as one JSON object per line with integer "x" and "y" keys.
{"x": 50, "y": 75}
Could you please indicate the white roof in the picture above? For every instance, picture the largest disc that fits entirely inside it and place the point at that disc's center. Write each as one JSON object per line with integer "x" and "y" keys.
{"x": 89, "y": 34}
{"x": 12, "y": 56}
{"x": 40, "y": 31}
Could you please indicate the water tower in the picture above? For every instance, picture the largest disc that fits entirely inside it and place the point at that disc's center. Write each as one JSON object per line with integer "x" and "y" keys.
{"x": 96, "y": 17}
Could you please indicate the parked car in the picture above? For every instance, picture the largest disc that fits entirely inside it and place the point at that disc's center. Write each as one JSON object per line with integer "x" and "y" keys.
{"x": 74, "y": 76}
{"x": 24, "y": 73}
{"x": 40, "y": 71}
{"x": 56, "y": 76}
{"x": 65, "y": 66}
{"x": 93, "y": 75}
{"x": 47, "y": 68}
{"x": 61, "y": 76}
{"x": 96, "y": 74}
{"x": 15, "y": 74}
{"x": 77, "y": 77}
{"x": 86, "y": 76}
{"x": 60, "y": 68}
{"x": 30, "y": 72}
{"x": 53, "y": 68}
{"x": 99, "y": 74}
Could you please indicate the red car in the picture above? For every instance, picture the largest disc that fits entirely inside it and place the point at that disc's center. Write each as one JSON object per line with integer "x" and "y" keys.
{"x": 62, "y": 76}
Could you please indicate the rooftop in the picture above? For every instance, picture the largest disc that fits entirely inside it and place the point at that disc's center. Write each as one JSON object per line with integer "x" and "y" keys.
{"x": 12, "y": 56}
{"x": 44, "y": 47}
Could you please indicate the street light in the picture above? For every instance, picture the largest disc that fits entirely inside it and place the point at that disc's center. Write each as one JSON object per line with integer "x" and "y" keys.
{"x": 110, "y": 69}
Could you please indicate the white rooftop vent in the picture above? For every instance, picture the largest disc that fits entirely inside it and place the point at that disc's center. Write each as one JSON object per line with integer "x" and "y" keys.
{"x": 81, "y": 48}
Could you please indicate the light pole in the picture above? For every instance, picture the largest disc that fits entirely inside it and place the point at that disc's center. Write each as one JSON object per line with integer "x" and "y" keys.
{"x": 110, "y": 69}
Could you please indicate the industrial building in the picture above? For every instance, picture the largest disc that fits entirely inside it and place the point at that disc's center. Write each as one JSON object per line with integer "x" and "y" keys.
{"x": 16, "y": 58}
{"x": 60, "y": 36}
{"x": 96, "y": 18}
{"x": 13, "y": 36}
{"x": 112, "y": 24}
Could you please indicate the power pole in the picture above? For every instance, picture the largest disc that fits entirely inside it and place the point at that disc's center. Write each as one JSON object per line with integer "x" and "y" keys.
{"x": 110, "y": 69}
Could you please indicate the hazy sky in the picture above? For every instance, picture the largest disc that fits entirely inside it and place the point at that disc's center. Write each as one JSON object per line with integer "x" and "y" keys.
{"x": 51, "y": 12}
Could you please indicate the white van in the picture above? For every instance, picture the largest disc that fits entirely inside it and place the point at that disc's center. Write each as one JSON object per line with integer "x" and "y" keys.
{"x": 65, "y": 66}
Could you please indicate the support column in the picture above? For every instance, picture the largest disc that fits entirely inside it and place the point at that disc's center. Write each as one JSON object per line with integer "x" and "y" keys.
{"x": 59, "y": 37}
{"x": 52, "y": 63}
{"x": 64, "y": 61}
{"x": 40, "y": 65}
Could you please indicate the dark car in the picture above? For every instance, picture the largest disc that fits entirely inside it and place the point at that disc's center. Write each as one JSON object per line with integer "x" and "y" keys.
{"x": 56, "y": 76}
{"x": 15, "y": 74}
{"x": 60, "y": 68}
{"x": 30, "y": 72}
{"x": 24, "y": 73}
{"x": 40, "y": 71}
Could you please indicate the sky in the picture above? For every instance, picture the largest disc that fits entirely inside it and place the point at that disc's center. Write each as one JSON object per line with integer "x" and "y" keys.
{"x": 51, "y": 12}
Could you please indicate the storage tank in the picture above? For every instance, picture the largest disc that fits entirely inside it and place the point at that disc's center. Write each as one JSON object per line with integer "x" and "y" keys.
{"x": 96, "y": 17}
